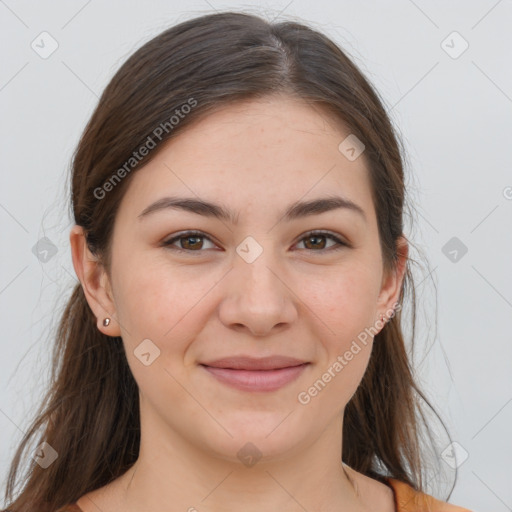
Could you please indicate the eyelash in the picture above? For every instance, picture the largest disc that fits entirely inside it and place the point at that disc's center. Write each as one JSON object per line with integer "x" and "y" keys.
{"x": 168, "y": 243}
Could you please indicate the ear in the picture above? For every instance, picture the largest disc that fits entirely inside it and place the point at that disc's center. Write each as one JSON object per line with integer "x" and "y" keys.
{"x": 95, "y": 282}
{"x": 392, "y": 282}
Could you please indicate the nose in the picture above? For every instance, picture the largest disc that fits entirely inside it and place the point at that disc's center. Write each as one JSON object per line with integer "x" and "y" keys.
{"x": 257, "y": 298}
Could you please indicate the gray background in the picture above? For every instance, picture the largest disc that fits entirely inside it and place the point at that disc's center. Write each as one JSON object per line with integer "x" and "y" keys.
{"x": 453, "y": 112}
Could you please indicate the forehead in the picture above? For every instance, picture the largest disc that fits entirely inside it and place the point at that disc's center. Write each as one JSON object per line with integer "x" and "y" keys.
{"x": 255, "y": 156}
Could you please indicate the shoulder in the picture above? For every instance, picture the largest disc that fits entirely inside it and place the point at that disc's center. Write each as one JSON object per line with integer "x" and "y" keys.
{"x": 408, "y": 499}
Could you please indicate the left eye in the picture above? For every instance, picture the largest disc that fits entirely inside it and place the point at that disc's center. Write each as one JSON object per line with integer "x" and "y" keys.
{"x": 193, "y": 243}
{"x": 317, "y": 235}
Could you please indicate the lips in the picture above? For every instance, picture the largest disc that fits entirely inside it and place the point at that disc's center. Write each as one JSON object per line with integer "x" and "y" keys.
{"x": 252, "y": 363}
{"x": 256, "y": 374}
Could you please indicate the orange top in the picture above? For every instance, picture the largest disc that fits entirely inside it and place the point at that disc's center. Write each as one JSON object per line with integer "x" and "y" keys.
{"x": 406, "y": 500}
{"x": 409, "y": 500}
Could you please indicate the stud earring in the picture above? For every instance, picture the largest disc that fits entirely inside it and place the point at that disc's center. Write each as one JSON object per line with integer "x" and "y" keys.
{"x": 106, "y": 321}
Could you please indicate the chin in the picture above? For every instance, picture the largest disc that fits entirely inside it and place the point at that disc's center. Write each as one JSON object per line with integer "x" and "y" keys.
{"x": 257, "y": 437}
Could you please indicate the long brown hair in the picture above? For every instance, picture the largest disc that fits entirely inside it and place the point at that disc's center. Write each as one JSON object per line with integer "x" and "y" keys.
{"x": 90, "y": 414}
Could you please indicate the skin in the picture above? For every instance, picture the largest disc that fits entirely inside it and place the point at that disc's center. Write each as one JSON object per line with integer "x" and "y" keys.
{"x": 296, "y": 299}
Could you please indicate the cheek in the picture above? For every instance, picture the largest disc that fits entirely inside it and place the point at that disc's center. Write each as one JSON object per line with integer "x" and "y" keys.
{"x": 336, "y": 378}
{"x": 352, "y": 310}
{"x": 344, "y": 300}
{"x": 158, "y": 305}
{"x": 166, "y": 305}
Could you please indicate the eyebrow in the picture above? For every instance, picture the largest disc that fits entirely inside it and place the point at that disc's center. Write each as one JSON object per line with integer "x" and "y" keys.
{"x": 296, "y": 210}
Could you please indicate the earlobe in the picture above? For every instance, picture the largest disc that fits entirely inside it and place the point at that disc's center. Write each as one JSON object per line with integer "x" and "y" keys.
{"x": 95, "y": 282}
{"x": 106, "y": 326}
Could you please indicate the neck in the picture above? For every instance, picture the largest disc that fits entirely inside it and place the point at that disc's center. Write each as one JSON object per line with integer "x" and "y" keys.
{"x": 176, "y": 475}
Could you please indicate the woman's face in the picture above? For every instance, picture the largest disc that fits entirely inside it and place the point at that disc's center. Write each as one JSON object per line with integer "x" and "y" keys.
{"x": 252, "y": 284}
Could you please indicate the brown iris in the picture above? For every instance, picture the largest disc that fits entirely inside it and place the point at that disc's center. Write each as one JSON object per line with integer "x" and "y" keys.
{"x": 314, "y": 237}
{"x": 197, "y": 242}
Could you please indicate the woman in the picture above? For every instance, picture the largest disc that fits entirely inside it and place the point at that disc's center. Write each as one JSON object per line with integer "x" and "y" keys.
{"x": 235, "y": 340}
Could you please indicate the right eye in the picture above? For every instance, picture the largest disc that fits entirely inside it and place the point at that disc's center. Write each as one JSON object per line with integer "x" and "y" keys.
{"x": 192, "y": 240}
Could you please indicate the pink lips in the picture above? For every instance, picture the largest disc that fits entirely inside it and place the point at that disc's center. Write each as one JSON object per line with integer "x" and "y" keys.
{"x": 252, "y": 374}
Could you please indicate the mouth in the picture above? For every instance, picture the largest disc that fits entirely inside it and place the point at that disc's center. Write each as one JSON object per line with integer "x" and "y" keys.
{"x": 252, "y": 374}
